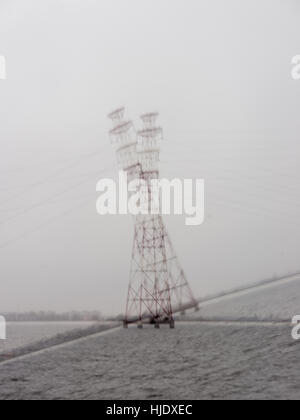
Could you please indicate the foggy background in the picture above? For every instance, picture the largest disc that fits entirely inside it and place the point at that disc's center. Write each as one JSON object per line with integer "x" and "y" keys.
{"x": 218, "y": 72}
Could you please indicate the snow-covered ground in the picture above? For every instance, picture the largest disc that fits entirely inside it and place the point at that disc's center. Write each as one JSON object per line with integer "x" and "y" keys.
{"x": 279, "y": 301}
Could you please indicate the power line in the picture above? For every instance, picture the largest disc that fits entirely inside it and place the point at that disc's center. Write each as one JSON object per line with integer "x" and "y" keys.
{"x": 43, "y": 202}
{"x": 41, "y": 226}
{"x": 52, "y": 176}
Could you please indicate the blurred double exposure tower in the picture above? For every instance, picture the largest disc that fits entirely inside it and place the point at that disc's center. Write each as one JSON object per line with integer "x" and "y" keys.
{"x": 158, "y": 287}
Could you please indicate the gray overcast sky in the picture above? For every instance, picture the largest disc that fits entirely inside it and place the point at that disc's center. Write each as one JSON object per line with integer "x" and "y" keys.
{"x": 218, "y": 72}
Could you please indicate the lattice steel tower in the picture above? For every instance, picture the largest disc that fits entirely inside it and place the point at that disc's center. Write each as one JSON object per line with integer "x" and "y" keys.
{"x": 158, "y": 287}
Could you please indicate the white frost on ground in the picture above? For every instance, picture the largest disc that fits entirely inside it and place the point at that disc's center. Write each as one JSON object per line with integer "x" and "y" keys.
{"x": 278, "y": 302}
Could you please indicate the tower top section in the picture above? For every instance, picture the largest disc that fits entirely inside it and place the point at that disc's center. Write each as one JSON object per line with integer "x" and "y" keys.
{"x": 148, "y": 147}
{"x": 123, "y": 136}
{"x": 149, "y": 119}
{"x": 117, "y": 116}
{"x": 122, "y": 132}
{"x": 150, "y": 133}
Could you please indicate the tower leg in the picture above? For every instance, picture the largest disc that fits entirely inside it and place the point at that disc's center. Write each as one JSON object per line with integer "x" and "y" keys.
{"x": 156, "y": 325}
{"x": 125, "y": 325}
{"x": 140, "y": 325}
{"x": 172, "y": 324}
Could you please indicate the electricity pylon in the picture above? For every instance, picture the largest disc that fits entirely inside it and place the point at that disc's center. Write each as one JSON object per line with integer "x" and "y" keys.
{"x": 158, "y": 286}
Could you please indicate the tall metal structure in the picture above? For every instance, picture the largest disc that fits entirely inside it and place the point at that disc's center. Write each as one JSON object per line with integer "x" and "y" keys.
{"x": 158, "y": 286}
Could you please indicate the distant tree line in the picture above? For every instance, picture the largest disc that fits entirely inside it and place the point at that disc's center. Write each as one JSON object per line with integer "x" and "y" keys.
{"x": 50, "y": 316}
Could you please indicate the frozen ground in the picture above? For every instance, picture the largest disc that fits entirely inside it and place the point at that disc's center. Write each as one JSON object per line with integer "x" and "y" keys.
{"x": 193, "y": 361}
{"x": 276, "y": 302}
{"x": 197, "y": 360}
{"x": 23, "y": 333}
